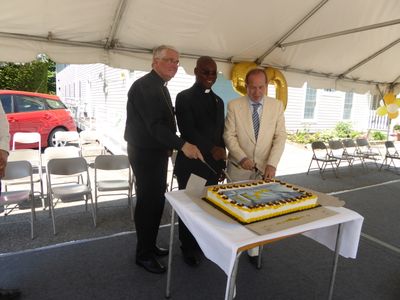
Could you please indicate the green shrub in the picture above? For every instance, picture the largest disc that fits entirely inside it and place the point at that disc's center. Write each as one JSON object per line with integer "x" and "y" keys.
{"x": 342, "y": 130}
{"x": 378, "y": 136}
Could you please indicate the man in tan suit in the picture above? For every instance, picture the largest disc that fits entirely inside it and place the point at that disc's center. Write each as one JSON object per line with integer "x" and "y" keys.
{"x": 254, "y": 134}
{"x": 248, "y": 153}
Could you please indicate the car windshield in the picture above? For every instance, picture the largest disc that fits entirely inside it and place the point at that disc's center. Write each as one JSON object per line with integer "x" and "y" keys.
{"x": 54, "y": 104}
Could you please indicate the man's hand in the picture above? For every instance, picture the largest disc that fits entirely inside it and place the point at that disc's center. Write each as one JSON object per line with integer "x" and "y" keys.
{"x": 3, "y": 162}
{"x": 191, "y": 151}
{"x": 269, "y": 172}
{"x": 247, "y": 164}
{"x": 218, "y": 153}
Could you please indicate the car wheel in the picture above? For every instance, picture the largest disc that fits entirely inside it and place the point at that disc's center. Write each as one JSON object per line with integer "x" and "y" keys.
{"x": 52, "y": 138}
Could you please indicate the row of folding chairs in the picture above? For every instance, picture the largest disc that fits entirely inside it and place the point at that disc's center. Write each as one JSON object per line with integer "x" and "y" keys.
{"x": 67, "y": 178}
{"x": 341, "y": 151}
{"x": 88, "y": 141}
{"x": 349, "y": 151}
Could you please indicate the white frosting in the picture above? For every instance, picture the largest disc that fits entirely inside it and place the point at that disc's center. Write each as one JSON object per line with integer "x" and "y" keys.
{"x": 246, "y": 214}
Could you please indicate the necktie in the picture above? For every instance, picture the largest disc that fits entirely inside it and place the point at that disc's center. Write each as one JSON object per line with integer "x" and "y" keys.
{"x": 256, "y": 119}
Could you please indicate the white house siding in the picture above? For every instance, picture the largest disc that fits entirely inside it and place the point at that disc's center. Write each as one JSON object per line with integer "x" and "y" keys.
{"x": 328, "y": 110}
{"x": 100, "y": 102}
{"x": 98, "y": 94}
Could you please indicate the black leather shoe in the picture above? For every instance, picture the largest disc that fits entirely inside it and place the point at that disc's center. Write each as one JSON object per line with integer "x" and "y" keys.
{"x": 254, "y": 260}
{"x": 160, "y": 251}
{"x": 9, "y": 294}
{"x": 151, "y": 264}
{"x": 191, "y": 257}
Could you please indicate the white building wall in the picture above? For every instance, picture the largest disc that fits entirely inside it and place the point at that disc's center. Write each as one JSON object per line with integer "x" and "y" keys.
{"x": 98, "y": 95}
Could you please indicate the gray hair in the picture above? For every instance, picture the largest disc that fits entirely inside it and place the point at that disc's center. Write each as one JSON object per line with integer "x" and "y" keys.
{"x": 157, "y": 52}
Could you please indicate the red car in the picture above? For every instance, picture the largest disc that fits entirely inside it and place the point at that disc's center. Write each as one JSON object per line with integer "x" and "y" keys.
{"x": 35, "y": 112}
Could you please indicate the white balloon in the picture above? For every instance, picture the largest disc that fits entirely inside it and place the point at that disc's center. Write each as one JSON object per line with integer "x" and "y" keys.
{"x": 392, "y": 108}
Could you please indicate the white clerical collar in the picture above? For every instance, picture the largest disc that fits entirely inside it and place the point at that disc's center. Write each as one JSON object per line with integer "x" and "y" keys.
{"x": 207, "y": 91}
{"x": 165, "y": 83}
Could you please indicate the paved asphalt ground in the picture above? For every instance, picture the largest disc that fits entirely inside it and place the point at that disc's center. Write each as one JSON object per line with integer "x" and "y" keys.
{"x": 83, "y": 262}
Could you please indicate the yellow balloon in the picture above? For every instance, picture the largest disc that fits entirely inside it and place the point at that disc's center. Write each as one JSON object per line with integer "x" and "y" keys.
{"x": 398, "y": 101}
{"x": 238, "y": 76}
{"x": 276, "y": 77}
{"x": 381, "y": 111}
{"x": 393, "y": 115}
{"x": 389, "y": 98}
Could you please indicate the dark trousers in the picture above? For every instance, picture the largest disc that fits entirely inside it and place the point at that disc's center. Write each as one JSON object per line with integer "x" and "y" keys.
{"x": 188, "y": 241}
{"x": 150, "y": 167}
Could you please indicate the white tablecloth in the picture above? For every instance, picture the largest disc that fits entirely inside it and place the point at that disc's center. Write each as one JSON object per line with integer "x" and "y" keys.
{"x": 220, "y": 237}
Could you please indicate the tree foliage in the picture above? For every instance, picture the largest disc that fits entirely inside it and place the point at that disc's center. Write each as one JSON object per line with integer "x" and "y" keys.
{"x": 36, "y": 76}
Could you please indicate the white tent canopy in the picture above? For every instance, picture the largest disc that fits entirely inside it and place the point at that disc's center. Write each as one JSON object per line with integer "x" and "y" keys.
{"x": 341, "y": 44}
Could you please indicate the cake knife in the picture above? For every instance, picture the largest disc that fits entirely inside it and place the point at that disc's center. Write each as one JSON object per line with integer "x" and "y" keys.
{"x": 208, "y": 166}
{"x": 257, "y": 170}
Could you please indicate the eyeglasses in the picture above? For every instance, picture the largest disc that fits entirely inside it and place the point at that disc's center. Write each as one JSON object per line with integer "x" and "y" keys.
{"x": 170, "y": 61}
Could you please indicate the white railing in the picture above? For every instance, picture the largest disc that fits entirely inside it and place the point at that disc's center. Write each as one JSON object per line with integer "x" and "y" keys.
{"x": 376, "y": 122}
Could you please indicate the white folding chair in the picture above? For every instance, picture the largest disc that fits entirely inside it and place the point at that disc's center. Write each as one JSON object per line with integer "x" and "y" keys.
{"x": 108, "y": 178}
{"x": 91, "y": 143}
{"x": 10, "y": 200}
{"x": 68, "y": 191}
{"x": 67, "y": 138}
{"x": 27, "y": 138}
{"x": 34, "y": 156}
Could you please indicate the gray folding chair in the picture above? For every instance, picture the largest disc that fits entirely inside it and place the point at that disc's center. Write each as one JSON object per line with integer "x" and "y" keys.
{"x": 391, "y": 155}
{"x": 69, "y": 191}
{"x": 11, "y": 200}
{"x": 322, "y": 158}
{"x": 367, "y": 151}
{"x": 108, "y": 178}
{"x": 351, "y": 149}
{"x": 338, "y": 152}
{"x": 34, "y": 156}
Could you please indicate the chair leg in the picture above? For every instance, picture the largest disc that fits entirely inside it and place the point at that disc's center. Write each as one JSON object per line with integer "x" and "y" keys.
{"x": 33, "y": 217}
{"x": 42, "y": 195}
{"x": 93, "y": 209}
{"x": 309, "y": 167}
{"x": 52, "y": 214}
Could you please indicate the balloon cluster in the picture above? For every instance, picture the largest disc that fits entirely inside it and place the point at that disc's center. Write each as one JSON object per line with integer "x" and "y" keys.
{"x": 390, "y": 106}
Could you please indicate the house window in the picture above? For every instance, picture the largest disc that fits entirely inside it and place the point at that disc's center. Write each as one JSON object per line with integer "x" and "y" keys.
{"x": 310, "y": 102}
{"x": 348, "y": 104}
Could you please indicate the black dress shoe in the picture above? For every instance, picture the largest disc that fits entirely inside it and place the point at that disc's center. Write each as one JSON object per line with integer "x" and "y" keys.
{"x": 191, "y": 257}
{"x": 151, "y": 264}
{"x": 9, "y": 294}
{"x": 254, "y": 260}
{"x": 160, "y": 251}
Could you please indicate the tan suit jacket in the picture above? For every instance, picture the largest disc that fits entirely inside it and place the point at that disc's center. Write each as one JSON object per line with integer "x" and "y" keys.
{"x": 240, "y": 139}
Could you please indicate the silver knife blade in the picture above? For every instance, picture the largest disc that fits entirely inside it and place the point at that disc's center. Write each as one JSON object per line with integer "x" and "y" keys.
{"x": 215, "y": 172}
{"x": 226, "y": 175}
